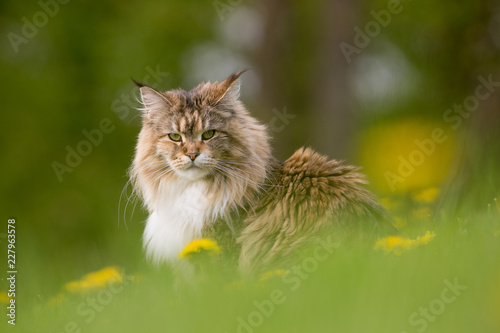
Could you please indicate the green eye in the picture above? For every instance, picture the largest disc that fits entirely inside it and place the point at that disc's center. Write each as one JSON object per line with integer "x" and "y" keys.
{"x": 208, "y": 135}
{"x": 175, "y": 137}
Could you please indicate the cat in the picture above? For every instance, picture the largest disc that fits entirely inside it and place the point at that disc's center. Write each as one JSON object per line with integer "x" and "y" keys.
{"x": 204, "y": 168}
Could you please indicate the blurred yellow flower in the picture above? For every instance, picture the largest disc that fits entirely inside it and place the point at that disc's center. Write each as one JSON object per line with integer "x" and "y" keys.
{"x": 198, "y": 246}
{"x": 270, "y": 274}
{"x": 407, "y": 155}
{"x": 4, "y": 297}
{"x": 397, "y": 244}
{"x": 95, "y": 280}
{"x": 426, "y": 196}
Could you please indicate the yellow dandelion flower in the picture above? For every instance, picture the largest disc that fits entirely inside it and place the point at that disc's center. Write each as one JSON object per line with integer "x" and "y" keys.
{"x": 200, "y": 245}
{"x": 397, "y": 244}
{"x": 4, "y": 297}
{"x": 270, "y": 274}
{"x": 426, "y": 196}
{"x": 95, "y": 280}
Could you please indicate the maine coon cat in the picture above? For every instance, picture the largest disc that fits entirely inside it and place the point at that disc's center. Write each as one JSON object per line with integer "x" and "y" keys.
{"x": 204, "y": 168}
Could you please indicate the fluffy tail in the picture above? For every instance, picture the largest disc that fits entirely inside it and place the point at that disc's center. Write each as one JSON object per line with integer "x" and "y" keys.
{"x": 312, "y": 195}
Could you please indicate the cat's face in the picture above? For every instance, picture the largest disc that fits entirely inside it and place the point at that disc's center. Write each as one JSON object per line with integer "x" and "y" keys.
{"x": 205, "y": 132}
{"x": 203, "y": 135}
{"x": 195, "y": 141}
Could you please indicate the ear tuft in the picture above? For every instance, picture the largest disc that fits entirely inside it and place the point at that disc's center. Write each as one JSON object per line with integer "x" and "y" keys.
{"x": 137, "y": 83}
{"x": 153, "y": 100}
{"x": 229, "y": 88}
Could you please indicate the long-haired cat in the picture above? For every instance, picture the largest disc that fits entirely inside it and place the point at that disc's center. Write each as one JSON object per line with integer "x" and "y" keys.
{"x": 204, "y": 168}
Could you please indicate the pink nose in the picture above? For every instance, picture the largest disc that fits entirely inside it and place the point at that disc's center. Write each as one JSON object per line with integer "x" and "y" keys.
{"x": 193, "y": 155}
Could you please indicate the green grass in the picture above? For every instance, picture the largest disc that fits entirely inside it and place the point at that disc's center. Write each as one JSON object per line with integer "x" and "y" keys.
{"x": 356, "y": 289}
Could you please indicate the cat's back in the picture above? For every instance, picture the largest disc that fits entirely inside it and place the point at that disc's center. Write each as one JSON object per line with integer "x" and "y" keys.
{"x": 308, "y": 184}
{"x": 310, "y": 193}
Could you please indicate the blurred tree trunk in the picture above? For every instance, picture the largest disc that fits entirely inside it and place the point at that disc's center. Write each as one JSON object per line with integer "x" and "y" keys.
{"x": 333, "y": 117}
{"x": 303, "y": 70}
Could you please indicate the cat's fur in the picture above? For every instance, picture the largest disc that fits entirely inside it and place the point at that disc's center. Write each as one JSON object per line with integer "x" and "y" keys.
{"x": 234, "y": 190}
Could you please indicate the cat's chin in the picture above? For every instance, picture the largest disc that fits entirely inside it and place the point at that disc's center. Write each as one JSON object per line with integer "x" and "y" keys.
{"x": 192, "y": 173}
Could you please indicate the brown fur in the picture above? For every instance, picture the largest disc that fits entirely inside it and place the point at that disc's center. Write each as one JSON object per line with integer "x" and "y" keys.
{"x": 312, "y": 194}
{"x": 274, "y": 207}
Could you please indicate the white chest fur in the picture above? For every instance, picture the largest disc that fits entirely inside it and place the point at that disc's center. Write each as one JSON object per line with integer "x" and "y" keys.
{"x": 180, "y": 212}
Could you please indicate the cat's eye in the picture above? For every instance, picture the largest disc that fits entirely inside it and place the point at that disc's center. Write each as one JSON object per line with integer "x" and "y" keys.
{"x": 208, "y": 134}
{"x": 175, "y": 137}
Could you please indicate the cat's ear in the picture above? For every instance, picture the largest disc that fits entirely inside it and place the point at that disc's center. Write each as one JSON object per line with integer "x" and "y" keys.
{"x": 153, "y": 100}
{"x": 227, "y": 89}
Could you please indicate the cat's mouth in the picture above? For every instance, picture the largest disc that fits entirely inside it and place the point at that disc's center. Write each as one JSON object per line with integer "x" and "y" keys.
{"x": 192, "y": 171}
{"x": 188, "y": 166}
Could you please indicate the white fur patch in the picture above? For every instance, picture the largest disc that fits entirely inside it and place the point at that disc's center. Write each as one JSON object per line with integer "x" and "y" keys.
{"x": 181, "y": 210}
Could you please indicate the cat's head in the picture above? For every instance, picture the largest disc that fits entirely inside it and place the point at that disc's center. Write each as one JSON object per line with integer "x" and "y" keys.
{"x": 202, "y": 134}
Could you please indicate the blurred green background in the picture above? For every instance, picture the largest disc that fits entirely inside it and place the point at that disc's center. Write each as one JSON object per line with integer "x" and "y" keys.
{"x": 357, "y": 80}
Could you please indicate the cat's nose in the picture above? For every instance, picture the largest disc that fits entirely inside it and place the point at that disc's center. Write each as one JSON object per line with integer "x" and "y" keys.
{"x": 193, "y": 155}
